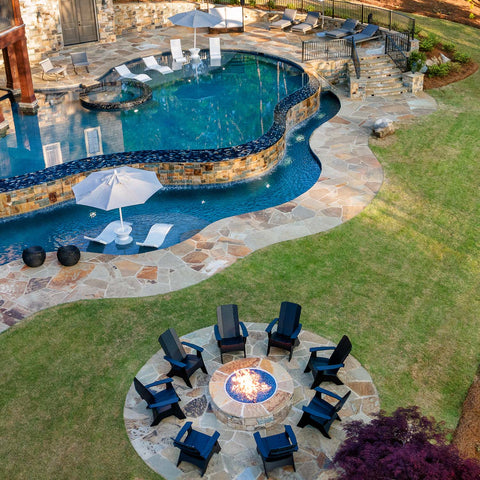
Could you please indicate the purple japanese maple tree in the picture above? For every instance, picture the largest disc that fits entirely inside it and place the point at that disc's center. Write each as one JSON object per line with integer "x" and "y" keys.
{"x": 403, "y": 446}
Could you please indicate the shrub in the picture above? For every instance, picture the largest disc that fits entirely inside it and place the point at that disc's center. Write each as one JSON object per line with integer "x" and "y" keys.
{"x": 271, "y": 4}
{"x": 404, "y": 446}
{"x": 416, "y": 61}
{"x": 428, "y": 43}
{"x": 441, "y": 70}
{"x": 291, "y": 6}
{"x": 461, "y": 58}
{"x": 449, "y": 47}
{"x": 252, "y": 3}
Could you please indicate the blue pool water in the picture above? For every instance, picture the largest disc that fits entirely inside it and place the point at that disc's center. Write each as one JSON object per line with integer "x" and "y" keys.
{"x": 209, "y": 107}
{"x": 189, "y": 210}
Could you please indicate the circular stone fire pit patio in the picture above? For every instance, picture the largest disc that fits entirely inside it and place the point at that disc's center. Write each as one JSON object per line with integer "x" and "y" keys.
{"x": 206, "y": 408}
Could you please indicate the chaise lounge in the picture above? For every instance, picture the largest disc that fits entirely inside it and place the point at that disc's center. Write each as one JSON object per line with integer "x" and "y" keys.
{"x": 347, "y": 28}
{"x": 370, "y": 32}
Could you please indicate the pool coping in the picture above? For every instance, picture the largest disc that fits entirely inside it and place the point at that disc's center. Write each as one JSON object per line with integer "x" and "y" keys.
{"x": 351, "y": 177}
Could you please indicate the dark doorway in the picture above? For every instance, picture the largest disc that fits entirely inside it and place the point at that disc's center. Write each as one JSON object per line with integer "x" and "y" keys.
{"x": 78, "y": 21}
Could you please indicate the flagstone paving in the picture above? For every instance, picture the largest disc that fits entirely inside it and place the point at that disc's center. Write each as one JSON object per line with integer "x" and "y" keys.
{"x": 238, "y": 458}
{"x": 350, "y": 178}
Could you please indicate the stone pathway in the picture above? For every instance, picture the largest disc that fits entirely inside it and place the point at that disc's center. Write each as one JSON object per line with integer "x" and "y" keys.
{"x": 238, "y": 458}
{"x": 351, "y": 176}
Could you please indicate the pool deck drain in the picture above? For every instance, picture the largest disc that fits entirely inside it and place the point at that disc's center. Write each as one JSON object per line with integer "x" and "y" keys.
{"x": 350, "y": 178}
{"x": 238, "y": 457}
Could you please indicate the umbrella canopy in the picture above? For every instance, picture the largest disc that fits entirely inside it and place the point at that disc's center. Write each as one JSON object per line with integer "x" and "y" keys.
{"x": 116, "y": 188}
{"x": 195, "y": 19}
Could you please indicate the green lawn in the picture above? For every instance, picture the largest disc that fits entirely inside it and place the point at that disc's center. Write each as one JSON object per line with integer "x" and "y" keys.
{"x": 401, "y": 279}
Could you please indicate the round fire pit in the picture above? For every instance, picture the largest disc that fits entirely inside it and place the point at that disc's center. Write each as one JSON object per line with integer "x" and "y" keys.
{"x": 251, "y": 393}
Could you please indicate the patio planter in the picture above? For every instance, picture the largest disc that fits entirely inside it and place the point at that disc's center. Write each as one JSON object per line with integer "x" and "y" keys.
{"x": 34, "y": 256}
{"x": 68, "y": 255}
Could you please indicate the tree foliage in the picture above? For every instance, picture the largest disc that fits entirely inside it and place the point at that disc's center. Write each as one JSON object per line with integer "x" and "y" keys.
{"x": 404, "y": 446}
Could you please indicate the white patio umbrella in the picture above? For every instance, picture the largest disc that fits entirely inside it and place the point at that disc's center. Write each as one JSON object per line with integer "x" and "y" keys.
{"x": 116, "y": 188}
{"x": 195, "y": 19}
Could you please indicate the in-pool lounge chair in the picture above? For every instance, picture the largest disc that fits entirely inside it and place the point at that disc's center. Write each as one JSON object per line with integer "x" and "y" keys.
{"x": 368, "y": 33}
{"x": 215, "y": 52}
{"x": 177, "y": 52}
{"x": 108, "y": 234}
{"x": 124, "y": 72}
{"x": 48, "y": 68}
{"x": 347, "y": 28}
{"x": 152, "y": 64}
{"x": 156, "y": 235}
{"x": 309, "y": 24}
{"x": 287, "y": 19}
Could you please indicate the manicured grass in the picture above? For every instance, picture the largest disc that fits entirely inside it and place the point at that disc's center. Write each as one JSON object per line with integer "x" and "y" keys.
{"x": 401, "y": 279}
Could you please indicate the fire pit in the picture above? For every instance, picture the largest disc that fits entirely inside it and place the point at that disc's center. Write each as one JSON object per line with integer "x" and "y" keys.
{"x": 251, "y": 393}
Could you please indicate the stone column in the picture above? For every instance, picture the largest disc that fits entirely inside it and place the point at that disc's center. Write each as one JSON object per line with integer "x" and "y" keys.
{"x": 414, "y": 81}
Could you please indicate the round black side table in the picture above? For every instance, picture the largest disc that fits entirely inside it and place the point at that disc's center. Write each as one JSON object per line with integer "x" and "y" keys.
{"x": 68, "y": 255}
{"x": 34, "y": 256}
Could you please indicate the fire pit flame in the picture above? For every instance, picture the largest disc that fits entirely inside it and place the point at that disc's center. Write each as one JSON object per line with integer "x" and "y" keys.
{"x": 247, "y": 383}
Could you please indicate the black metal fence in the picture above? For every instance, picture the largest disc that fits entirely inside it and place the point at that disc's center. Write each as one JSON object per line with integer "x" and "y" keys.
{"x": 395, "y": 46}
{"x": 326, "y": 50}
{"x": 383, "y": 17}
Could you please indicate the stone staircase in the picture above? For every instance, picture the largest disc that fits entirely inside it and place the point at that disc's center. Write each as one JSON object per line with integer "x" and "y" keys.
{"x": 380, "y": 77}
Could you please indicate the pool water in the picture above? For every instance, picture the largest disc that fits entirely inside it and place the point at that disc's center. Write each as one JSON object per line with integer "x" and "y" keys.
{"x": 197, "y": 107}
{"x": 189, "y": 210}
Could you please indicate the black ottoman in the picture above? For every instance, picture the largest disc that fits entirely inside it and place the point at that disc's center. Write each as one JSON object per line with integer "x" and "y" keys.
{"x": 68, "y": 255}
{"x": 34, "y": 256}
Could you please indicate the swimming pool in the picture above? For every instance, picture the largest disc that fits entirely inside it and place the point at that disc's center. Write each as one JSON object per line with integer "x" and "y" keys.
{"x": 197, "y": 107}
{"x": 189, "y": 210}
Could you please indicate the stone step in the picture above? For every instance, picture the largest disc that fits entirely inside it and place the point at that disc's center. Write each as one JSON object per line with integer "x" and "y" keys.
{"x": 382, "y": 92}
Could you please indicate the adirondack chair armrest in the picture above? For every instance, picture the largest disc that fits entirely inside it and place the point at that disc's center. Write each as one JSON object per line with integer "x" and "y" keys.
{"x": 291, "y": 435}
{"x": 186, "y": 428}
{"x": 319, "y": 349}
{"x": 160, "y": 404}
{"x": 296, "y": 332}
{"x": 260, "y": 445}
{"x": 331, "y": 367}
{"x": 271, "y": 325}
{"x": 207, "y": 448}
{"x": 216, "y": 331}
{"x": 192, "y": 345}
{"x": 159, "y": 382}
{"x": 328, "y": 392}
{"x": 315, "y": 413}
{"x": 244, "y": 329}
{"x": 175, "y": 362}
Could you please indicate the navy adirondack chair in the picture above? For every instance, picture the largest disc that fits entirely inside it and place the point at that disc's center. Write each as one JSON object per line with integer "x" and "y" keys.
{"x": 321, "y": 414}
{"x": 227, "y": 331}
{"x": 277, "y": 450}
{"x": 182, "y": 364}
{"x": 326, "y": 369}
{"x": 197, "y": 447}
{"x": 288, "y": 329}
{"x": 163, "y": 403}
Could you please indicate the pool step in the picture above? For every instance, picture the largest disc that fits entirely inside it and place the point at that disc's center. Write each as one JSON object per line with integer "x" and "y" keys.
{"x": 379, "y": 77}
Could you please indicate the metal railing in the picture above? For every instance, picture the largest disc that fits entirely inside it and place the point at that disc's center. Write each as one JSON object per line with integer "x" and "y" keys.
{"x": 355, "y": 59}
{"x": 397, "y": 21}
{"x": 331, "y": 49}
{"x": 395, "y": 46}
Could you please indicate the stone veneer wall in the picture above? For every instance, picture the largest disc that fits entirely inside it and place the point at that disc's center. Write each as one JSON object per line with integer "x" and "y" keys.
{"x": 199, "y": 167}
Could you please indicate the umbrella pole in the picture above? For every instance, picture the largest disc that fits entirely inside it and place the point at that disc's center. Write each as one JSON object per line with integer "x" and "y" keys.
{"x": 194, "y": 38}
{"x": 121, "y": 218}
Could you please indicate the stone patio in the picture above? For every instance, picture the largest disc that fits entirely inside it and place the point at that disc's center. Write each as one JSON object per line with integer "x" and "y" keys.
{"x": 238, "y": 458}
{"x": 350, "y": 178}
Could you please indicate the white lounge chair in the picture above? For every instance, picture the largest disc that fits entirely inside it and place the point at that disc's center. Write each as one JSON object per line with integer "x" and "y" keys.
{"x": 108, "y": 234}
{"x": 124, "y": 72}
{"x": 152, "y": 64}
{"x": 177, "y": 52}
{"x": 48, "y": 68}
{"x": 156, "y": 235}
{"x": 215, "y": 51}
{"x": 287, "y": 19}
